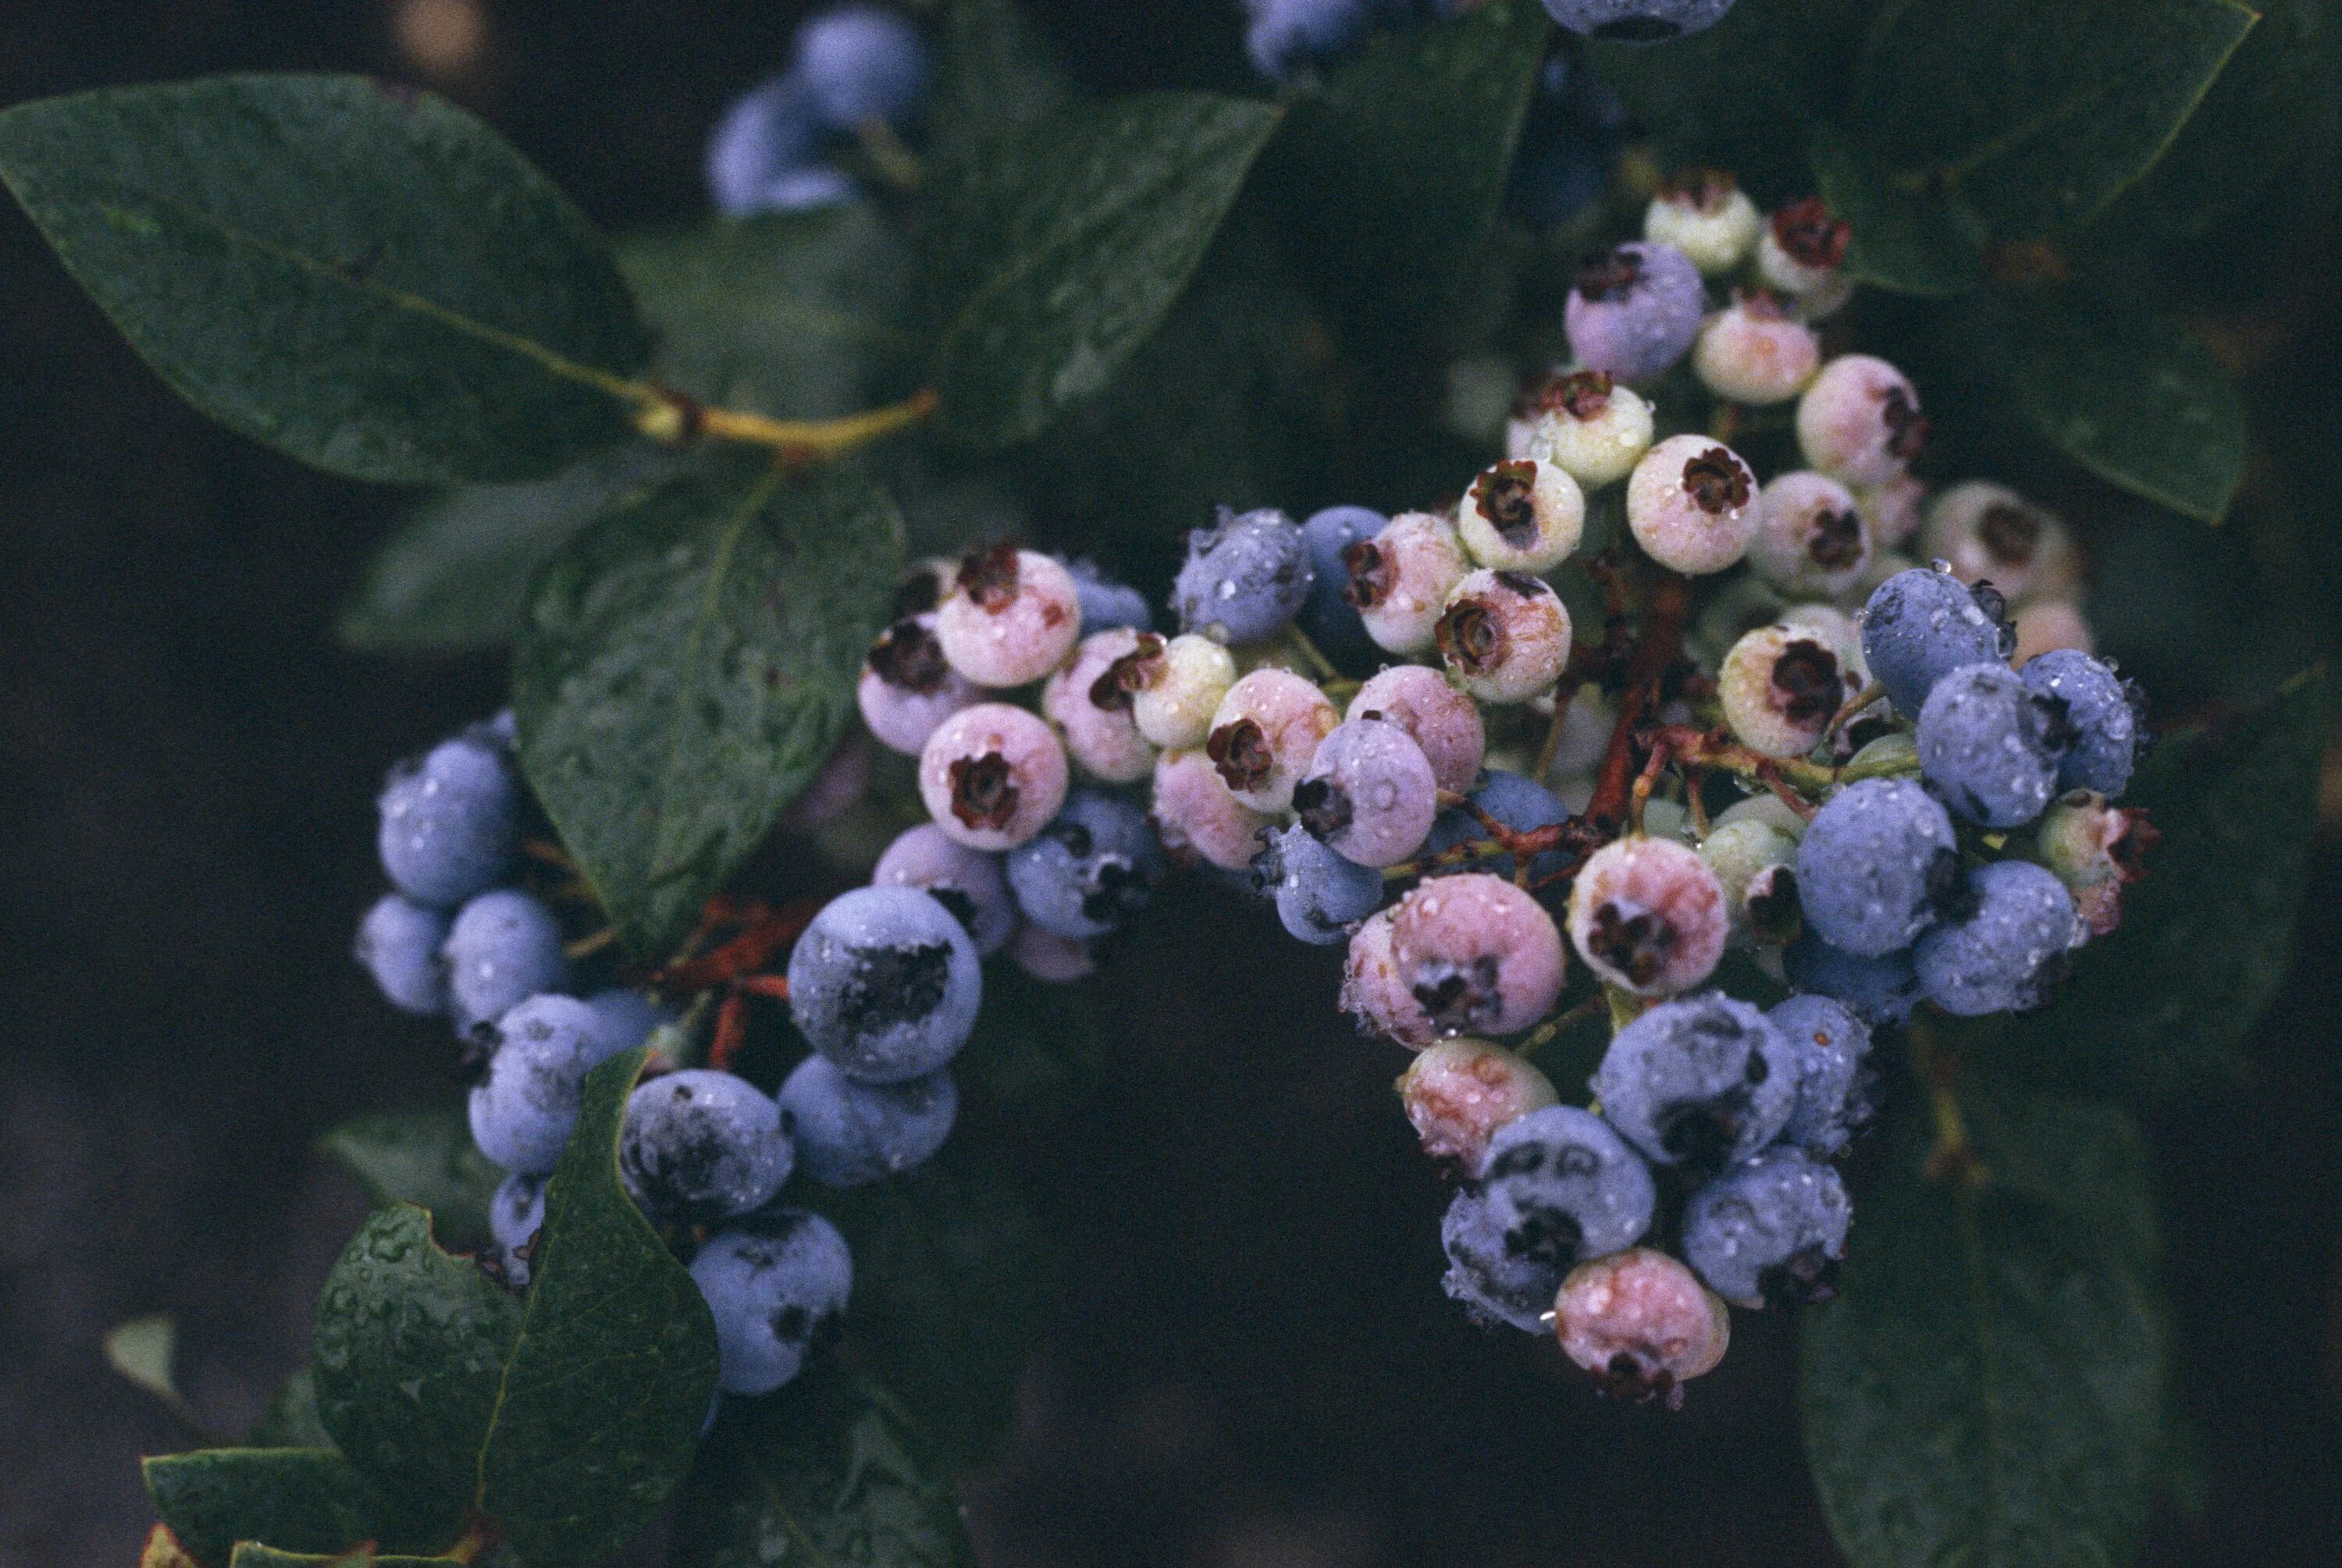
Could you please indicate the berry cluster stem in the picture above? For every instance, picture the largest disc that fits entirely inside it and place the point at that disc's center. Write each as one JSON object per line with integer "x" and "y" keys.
{"x": 676, "y": 419}
{"x": 1657, "y": 649}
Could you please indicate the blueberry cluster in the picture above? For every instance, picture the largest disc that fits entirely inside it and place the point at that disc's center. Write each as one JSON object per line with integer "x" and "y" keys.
{"x": 858, "y": 78}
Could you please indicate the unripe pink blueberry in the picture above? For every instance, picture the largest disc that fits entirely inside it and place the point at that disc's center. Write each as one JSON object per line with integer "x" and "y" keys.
{"x": 1649, "y": 916}
{"x": 1090, "y": 705}
{"x": 1779, "y": 686}
{"x": 2047, "y": 625}
{"x": 1376, "y": 994}
{"x": 1811, "y": 540}
{"x": 1692, "y": 504}
{"x": 1706, "y": 214}
{"x": 992, "y": 775}
{"x": 1802, "y": 252}
{"x": 1264, "y": 734}
{"x": 1442, "y": 720}
{"x": 1593, "y": 428}
{"x": 1642, "y": 1324}
{"x": 1893, "y": 509}
{"x": 1756, "y": 351}
{"x": 1195, "y": 813}
{"x": 906, "y": 689}
{"x": 1052, "y": 959}
{"x": 1989, "y": 534}
{"x": 1012, "y": 617}
{"x": 1503, "y": 636}
{"x": 1370, "y": 794}
{"x": 1176, "y": 685}
{"x": 1478, "y": 953}
{"x": 1400, "y": 579}
{"x": 1859, "y": 422}
{"x": 1458, "y": 1092}
{"x": 968, "y": 882}
{"x": 1521, "y": 515}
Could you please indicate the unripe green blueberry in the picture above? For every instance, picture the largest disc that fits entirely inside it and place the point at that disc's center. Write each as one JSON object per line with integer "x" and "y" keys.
{"x": 1754, "y": 863}
{"x": 1175, "y": 687}
{"x": 1521, "y": 515}
{"x": 1400, "y": 579}
{"x": 1594, "y": 428}
{"x": 1802, "y": 252}
{"x": 1504, "y": 636}
{"x": 2096, "y": 850}
{"x": 1706, "y": 214}
{"x": 1779, "y": 686}
{"x": 1770, "y": 809}
{"x": 1692, "y": 504}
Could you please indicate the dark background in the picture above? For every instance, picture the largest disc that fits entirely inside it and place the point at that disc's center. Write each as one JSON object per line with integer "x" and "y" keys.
{"x": 1252, "y": 1364}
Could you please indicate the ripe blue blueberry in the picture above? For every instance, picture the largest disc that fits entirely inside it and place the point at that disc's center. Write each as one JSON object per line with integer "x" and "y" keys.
{"x": 1637, "y": 20}
{"x": 1286, "y": 37}
{"x": 2104, "y": 710}
{"x": 1518, "y": 802}
{"x": 773, "y": 1286}
{"x": 1091, "y": 868}
{"x": 1635, "y": 312}
{"x": 521, "y": 1113}
{"x": 515, "y": 1214}
{"x": 1107, "y": 603}
{"x": 1830, "y": 1043}
{"x": 2005, "y": 955}
{"x": 1879, "y": 990}
{"x": 701, "y": 1146}
{"x": 503, "y": 948}
{"x": 859, "y": 63}
{"x": 1992, "y": 744}
{"x": 450, "y": 823}
{"x": 626, "y": 1017}
{"x": 763, "y": 156}
{"x": 1329, "y": 619}
{"x": 1701, "y": 1082}
{"x": 1245, "y": 576}
{"x": 1921, "y": 625}
{"x": 847, "y": 1134}
{"x": 398, "y": 942}
{"x": 1319, "y": 894}
{"x": 885, "y": 984}
{"x": 1768, "y": 1231}
{"x": 1491, "y": 1279}
{"x": 1566, "y": 1186}
{"x": 1876, "y": 866}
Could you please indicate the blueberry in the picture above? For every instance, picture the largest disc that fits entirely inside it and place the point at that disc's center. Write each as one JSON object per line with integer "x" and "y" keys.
{"x": 1567, "y": 150}
{"x": 885, "y": 984}
{"x": 1245, "y": 576}
{"x": 398, "y": 942}
{"x": 627, "y": 1017}
{"x": 701, "y": 1145}
{"x": 1829, "y": 1042}
{"x": 2003, "y": 957}
{"x": 1369, "y": 794}
{"x": 1879, "y": 990}
{"x": 1637, "y": 20}
{"x": 1992, "y": 744}
{"x": 1319, "y": 894}
{"x": 1518, "y": 802}
{"x": 515, "y": 1214}
{"x": 1702, "y": 1082}
{"x": 1921, "y": 625}
{"x": 1768, "y": 1231}
{"x": 1635, "y": 311}
{"x": 1566, "y": 1186}
{"x": 1286, "y": 37}
{"x": 1327, "y": 619}
{"x": 503, "y": 948}
{"x": 859, "y": 63}
{"x": 966, "y": 882}
{"x": 1494, "y": 1282}
{"x": 521, "y": 1113}
{"x": 1879, "y": 863}
{"x": 1089, "y": 870}
{"x": 2104, "y": 710}
{"x": 762, "y": 155}
{"x": 847, "y": 1134}
{"x": 450, "y": 823}
{"x": 772, "y": 1286}
{"x": 1107, "y": 603}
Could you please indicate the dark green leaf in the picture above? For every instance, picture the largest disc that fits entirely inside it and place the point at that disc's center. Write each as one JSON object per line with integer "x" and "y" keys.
{"x": 993, "y": 68}
{"x": 308, "y": 1499}
{"x": 827, "y": 1475}
{"x": 290, "y": 1419}
{"x": 568, "y": 1415}
{"x": 2040, "y": 111}
{"x": 1033, "y": 1042}
{"x": 688, "y": 664}
{"x": 799, "y": 316}
{"x": 455, "y": 573}
{"x": 1906, "y": 237}
{"x": 1988, "y": 1389}
{"x": 423, "y": 1157}
{"x": 252, "y": 1555}
{"x": 1391, "y": 176}
{"x": 363, "y": 276}
{"x": 1056, "y": 247}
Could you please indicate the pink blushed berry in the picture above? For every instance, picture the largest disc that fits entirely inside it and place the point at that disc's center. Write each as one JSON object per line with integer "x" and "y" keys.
{"x": 1195, "y": 813}
{"x": 2047, "y": 625}
{"x": 1779, "y": 685}
{"x": 1756, "y": 352}
{"x": 992, "y": 775}
{"x": 1376, "y": 994}
{"x": 1521, "y": 515}
{"x": 1706, "y": 214}
{"x": 1478, "y": 953}
{"x": 1012, "y": 617}
{"x": 1370, "y": 794}
{"x": 1400, "y": 579}
{"x": 1264, "y": 734}
{"x": 1893, "y": 509}
{"x": 1442, "y": 720}
{"x": 1174, "y": 686}
{"x": 1503, "y": 636}
{"x": 1089, "y": 702}
{"x": 1642, "y": 1324}
{"x": 1649, "y": 916}
{"x": 906, "y": 689}
{"x": 1052, "y": 959}
{"x": 1811, "y": 540}
{"x": 2096, "y": 850}
{"x": 1989, "y": 534}
{"x": 966, "y": 882}
{"x": 1458, "y": 1092}
{"x": 1859, "y": 422}
{"x": 1692, "y": 504}
{"x": 1594, "y": 428}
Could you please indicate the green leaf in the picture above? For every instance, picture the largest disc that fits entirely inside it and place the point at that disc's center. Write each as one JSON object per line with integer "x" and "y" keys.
{"x": 455, "y": 573}
{"x": 424, "y": 1157}
{"x": 994, "y": 68}
{"x": 1913, "y": 240}
{"x": 364, "y": 278}
{"x": 252, "y": 1555}
{"x": 1391, "y": 177}
{"x": 687, "y": 664}
{"x": 1056, "y": 247}
{"x": 1989, "y": 1388}
{"x": 290, "y": 1419}
{"x": 2207, "y": 934}
{"x": 308, "y": 1499}
{"x": 797, "y": 315}
{"x": 568, "y": 1415}
{"x": 2039, "y": 110}
{"x": 827, "y": 1475}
